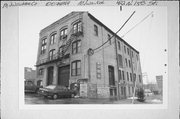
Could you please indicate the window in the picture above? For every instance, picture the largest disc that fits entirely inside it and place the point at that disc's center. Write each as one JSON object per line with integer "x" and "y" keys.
{"x": 124, "y": 49}
{"x": 132, "y": 89}
{"x": 122, "y": 91}
{"x": 96, "y": 30}
{"x": 51, "y": 54}
{"x": 61, "y": 53}
{"x": 137, "y": 57}
{"x": 76, "y": 68}
{"x": 128, "y": 51}
{"x": 43, "y": 46}
{"x": 123, "y": 75}
{"x": 53, "y": 38}
{"x": 140, "y": 79}
{"x": 127, "y": 76}
{"x": 41, "y": 71}
{"x": 129, "y": 90}
{"x": 120, "y": 76}
{"x": 120, "y": 60}
{"x": 132, "y": 54}
{"x": 76, "y": 46}
{"x": 77, "y": 27}
{"x": 134, "y": 77}
{"x": 129, "y": 63}
{"x": 63, "y": 34}
{"x": 131, "y": 77}
{"x": 119, "y": 45}
{"x": 109, "y": 38}
{"x": 126, "y": 62}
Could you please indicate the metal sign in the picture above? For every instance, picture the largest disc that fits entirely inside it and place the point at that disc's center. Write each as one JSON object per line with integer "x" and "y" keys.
{"x": 90, "y": 51}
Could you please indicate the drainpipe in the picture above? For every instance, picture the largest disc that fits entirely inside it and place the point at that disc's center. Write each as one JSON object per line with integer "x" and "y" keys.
{"x": 118, "y": 94}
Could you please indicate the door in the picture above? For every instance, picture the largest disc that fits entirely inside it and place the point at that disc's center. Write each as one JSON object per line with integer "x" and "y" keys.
{"x": 125, "y": 92}
{"x": 50, "y": 75}
{"x": 63, "y": 75}
{"x": 111, "y": 75}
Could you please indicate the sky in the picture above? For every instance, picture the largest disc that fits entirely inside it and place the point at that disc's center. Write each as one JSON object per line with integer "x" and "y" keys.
{"x": 149, "y": 37}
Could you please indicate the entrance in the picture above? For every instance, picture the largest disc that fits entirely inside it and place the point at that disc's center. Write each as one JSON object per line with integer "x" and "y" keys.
{"x": 63, "y": 75}
{"x": 111, "y": 76}
{"x": 50, "y": 75}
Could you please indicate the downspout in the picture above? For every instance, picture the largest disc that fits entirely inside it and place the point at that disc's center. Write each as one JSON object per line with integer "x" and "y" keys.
{"x": 118, "y": 94}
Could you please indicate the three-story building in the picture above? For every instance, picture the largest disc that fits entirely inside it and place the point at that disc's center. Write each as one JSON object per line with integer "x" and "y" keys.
{"x": 64, "y": 58}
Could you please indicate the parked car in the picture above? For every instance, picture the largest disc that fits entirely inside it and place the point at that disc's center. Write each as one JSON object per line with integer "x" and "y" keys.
{"x": 30, "y": 87}
{"x": 148, "y": 92}
{"x": 55, "y": 91}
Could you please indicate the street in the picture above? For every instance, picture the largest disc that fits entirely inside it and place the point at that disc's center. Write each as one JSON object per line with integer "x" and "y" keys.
{"x": 32, "y": 98}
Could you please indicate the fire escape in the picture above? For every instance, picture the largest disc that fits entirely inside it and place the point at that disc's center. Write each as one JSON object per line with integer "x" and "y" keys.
{"x": 63, "y": 53}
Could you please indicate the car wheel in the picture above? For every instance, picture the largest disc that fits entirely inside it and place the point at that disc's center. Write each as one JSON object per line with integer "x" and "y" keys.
{"x": 72, "y": 95}
{"x": 55, "y": 96}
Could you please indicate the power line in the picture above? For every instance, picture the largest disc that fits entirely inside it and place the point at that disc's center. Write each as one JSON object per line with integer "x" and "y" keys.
{"x": 115, "y": 33}
{"x": 137, "y": 24}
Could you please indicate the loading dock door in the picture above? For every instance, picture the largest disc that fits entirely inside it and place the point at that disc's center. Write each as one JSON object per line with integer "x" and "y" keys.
{"x": 63, "y": 75}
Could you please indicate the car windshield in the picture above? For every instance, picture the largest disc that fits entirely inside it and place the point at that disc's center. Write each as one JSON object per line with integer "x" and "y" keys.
{"x": 51, "y": 87}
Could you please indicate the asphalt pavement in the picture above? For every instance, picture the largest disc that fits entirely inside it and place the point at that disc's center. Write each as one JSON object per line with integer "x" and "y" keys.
{"x": 32, "y": 98}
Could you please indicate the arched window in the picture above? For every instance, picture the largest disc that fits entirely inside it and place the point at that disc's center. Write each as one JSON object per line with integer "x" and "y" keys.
{"x": 61, "y": 51}
{"x": 76, "y": 68}
{"x": 77, "y": 27}
{"x": 52, "y": 54}
{"x": 63, "y": 34}
{"x": 53, "y": 38}
{"x": 76, "y": 47}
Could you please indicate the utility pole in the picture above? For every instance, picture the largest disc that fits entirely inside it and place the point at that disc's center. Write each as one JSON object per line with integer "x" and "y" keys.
{"x": 118, "y": 92}
{"x": 135, "y": 82}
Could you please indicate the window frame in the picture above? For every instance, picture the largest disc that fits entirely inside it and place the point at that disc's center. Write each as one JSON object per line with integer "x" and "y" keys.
{"x": 129, "y": 63}
{"x": 140, "y": 80}
{"x": 119, "y": 45}
{"x": 51, "y": 54}
{"x": 126, "y": 62}
{"x": 109, "y": 38}
{"x": 123, "y": 75}
{"x": 120, "y": 75}
{"x": 53, "y": 38}
{"x": 63, "y": 33}
{"x": 95, "y": 30}
{"x": 43, "y": 45}
{"x": 41, "y": 71}
{"x": 127, "y": 76}
{"x": 120, "y": 59}
{"x": 77, "y": 27}
{"x": 124, "y": 49}
{"x": 76, "y": 68}
{"x": 77, "y": 47}
{"x": 61, "y": 52}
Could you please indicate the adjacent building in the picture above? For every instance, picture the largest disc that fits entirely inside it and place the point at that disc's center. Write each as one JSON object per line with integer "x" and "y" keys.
{"x": 71, "y": 53}
{"x": 159, "y": 80}
{"x": 29, "y": 74}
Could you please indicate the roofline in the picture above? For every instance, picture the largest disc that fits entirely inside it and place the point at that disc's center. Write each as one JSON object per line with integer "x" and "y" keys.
{"x": 100, "y": 23}
{"x": 59, "y": 20}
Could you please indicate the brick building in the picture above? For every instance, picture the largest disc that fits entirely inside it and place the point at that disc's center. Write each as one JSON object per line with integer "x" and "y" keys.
{"x": 64, "y": 58}
{"x": 29, "y": 74}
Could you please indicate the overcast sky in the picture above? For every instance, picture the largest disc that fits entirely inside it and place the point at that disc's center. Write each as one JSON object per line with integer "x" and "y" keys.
{"x": 149, "y": 37}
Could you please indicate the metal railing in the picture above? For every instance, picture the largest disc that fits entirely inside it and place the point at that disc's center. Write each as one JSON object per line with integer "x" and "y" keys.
{"x": 67, "y": 40}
